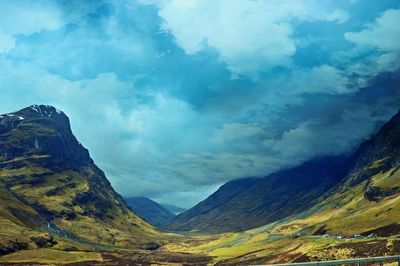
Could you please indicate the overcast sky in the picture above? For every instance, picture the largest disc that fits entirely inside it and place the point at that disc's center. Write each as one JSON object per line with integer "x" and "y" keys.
{"x": 173, "y": 98}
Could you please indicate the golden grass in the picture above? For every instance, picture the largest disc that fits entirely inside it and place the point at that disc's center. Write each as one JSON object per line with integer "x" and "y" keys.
{"x": 347, "y": 212}
{"x": 50, "y": 256}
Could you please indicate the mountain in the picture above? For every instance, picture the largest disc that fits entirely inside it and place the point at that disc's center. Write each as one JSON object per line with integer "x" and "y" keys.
{"x": 251, "y": 202}
{"x": 357, "y": 217}
{"x": 50, "y": 184}
{"x": 371, "y": 174}
{"x": 150, "y": 210}
{"x": 174, "y": 209}
{"x": 367, "y": 200}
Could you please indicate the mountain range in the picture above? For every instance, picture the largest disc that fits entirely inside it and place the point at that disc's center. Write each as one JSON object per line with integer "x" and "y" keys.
{"x": 56, "y": 205}
{"x": 249, "y": 203}
{"x": 357, "y": 215}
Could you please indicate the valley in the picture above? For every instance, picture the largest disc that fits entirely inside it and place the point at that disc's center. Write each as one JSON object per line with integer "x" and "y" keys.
{"x": 199, "y": 132}
{"x": 57, "y": 206}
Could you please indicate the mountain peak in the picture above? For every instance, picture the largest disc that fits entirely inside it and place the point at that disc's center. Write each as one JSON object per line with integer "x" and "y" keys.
{"x": 40, "y": 130}
{"x": 44, "y": 166}
{"x": 45, "y": 110}
{"x": 42, "y": 110}
{"x": 33, "y": 112}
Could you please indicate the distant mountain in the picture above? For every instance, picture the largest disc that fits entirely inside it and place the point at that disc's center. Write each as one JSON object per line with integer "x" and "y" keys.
{"x": 150, "y": 210}
{"x": 356, "y": 195}
{"x": 174, "y": 209}
{"x": 251, "y": 202}
{"x": 49, "y": 182}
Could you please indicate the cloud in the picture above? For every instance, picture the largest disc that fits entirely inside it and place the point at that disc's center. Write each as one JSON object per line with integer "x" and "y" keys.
{"x": 321, "y": 79}
{"x": 378, "y": 44}
{"x": 383, "y": 33}
{"x": 27, "y": 17}
{"x": 331, "y": 136}
{"x": 250, "y": 36}
{"x": 225, "y": 166}
{"x": 236, "y": 131}
{"x": 136, "y": 137}
{"x": 220, "y": 93}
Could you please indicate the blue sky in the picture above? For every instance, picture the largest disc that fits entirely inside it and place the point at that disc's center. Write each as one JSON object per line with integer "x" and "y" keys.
{"x": 175, "y": 97}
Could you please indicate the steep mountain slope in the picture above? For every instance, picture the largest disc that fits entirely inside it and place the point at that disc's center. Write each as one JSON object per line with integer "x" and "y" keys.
{"x": 48, "y": 180}
{"x": 365, "y": 202}
{"x": 249, "y": 203}
{"x": 368, "y": 178}
{"x": 150, "y": 210}
{"x": 368, "y": 199}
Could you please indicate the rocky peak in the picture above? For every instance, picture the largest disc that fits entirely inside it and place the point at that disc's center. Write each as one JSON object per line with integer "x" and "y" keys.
{"x": 45, "y": 110}
{"x": 40, "y": 130}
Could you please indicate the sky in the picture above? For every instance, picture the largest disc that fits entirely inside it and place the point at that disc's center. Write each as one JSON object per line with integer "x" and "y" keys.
{"x": 173, "y": 98}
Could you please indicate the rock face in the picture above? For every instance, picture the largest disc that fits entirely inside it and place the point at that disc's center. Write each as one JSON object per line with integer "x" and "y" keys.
{"x": 150, "y": 210}
{"x": 251, "y": 202}
{"x": 371, "y": 176}
{"x": 41, "y": 130}
{"x": 45, "y": 169}
{"x": 381, "y": 152}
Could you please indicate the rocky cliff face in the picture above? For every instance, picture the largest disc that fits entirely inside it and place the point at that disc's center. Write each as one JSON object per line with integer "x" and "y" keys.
{"x": 40, "y": 130}
{"x": 43, "y": 166}
{"x": 380, "y": 153}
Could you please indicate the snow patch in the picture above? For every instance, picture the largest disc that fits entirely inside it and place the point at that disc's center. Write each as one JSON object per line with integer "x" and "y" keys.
{"x": 45, "y": 110}
{"x": 12, "y": 115}
{"x": 35, "y": 108}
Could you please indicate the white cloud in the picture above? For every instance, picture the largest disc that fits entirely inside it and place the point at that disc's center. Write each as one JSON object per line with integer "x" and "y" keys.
{"x": 27, "y": 17}
{"x": 224, "y": 166}
{"x": 381, "y": 41}
{"x": 236, "y": 131}
{"x": 319, "y": 137}
{"x": 321, "y": 79}
{"x": 250, "y": 36}
{"x": 134, "y": 137}
{"x": 383, "y": 33}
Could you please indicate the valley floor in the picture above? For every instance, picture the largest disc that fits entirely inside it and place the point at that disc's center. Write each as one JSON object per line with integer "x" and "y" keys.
{"x": 250, "y": 248}
{"x": 244, "y": 248}
{"x": 299, "y": 238}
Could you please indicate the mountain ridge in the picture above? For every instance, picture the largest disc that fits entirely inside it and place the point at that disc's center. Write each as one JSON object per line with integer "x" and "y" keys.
{"x": 149, "y": 210}
{"x": 45, "y": 169}
{"x": 252, "y": 202}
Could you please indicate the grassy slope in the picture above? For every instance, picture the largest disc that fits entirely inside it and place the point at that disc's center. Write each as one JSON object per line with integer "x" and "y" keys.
{"x": 57, "y": 192}
{"x": 366, "y": 201}
{"x": 51, "y": 256}
{"x": 47, "y": 176}
{"x": 61, "y": 182}
{"x": 347, "y": 212}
